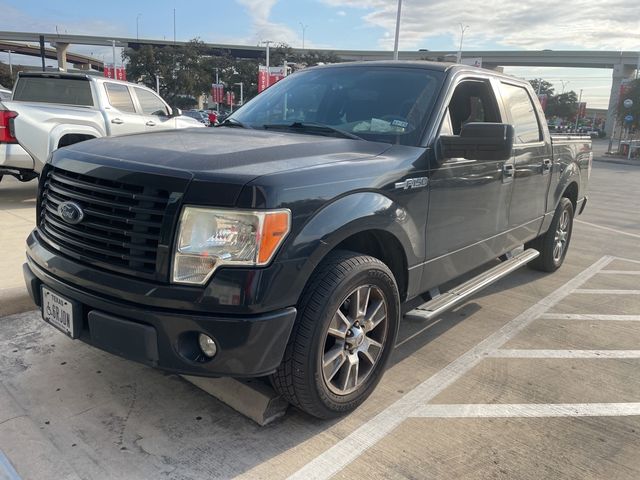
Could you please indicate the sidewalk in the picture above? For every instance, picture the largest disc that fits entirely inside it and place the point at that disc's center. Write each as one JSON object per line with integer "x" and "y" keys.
{"x": 17, "y": 217}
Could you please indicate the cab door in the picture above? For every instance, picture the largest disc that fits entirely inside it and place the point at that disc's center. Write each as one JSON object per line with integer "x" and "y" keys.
{"x": 121, "y": 113}
{"x": 468, "y": 199}
{"x": 155, "y": 112}
{"x": 532, "y": 160}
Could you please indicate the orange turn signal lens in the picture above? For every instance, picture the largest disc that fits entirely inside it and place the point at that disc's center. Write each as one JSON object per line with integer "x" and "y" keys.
{"x": 275, "y": 228}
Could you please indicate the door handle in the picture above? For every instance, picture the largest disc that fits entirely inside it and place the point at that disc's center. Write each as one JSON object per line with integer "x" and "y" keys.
{"x": 546, "y": 166}
{"x": 150, "y": 123}
{"x": 117, "y": 121}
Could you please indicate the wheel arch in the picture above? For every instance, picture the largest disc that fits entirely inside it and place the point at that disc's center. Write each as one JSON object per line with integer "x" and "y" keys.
{"x": 368, "y": 223}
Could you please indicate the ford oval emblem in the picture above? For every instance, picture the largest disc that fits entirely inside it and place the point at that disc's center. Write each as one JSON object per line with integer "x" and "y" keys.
{"x": 70, "y": 212}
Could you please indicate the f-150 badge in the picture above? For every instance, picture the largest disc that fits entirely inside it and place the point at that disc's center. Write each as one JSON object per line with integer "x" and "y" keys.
{"x": 417, "y": 182}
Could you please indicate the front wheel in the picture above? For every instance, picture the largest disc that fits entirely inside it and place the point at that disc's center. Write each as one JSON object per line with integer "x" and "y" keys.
{"x": 345, "y": 331}
{"x": 553, "y": 245}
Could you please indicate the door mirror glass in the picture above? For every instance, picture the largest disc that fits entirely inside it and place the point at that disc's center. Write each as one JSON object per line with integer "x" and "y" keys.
{"x": 479, "y": 141}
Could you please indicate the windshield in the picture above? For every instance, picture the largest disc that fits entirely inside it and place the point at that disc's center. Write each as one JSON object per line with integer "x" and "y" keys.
{"x": 385, "y": 104}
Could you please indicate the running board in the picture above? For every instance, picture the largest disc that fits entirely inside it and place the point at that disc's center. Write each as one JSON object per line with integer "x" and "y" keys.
{"x": 459, "y": 294}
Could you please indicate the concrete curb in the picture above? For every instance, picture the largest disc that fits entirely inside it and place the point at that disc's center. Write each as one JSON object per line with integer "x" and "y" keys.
{"x": 617, "y": 160}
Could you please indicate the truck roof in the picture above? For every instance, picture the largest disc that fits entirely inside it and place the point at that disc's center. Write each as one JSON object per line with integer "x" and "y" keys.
{"x": 83, "y": 76}
{"x": 424, "y": 64}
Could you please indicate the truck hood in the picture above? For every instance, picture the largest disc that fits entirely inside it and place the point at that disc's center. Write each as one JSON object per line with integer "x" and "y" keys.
{"x": 219, "y": 161}
{"x": 227, "y": 152}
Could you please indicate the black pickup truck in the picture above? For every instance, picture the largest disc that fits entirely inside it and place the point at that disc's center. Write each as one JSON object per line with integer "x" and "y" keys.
{"x": 289, "y": 241}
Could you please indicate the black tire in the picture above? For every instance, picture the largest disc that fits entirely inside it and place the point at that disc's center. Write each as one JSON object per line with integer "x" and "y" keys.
{"x": 546, "y": 244}
{"x": 301, "y": 378}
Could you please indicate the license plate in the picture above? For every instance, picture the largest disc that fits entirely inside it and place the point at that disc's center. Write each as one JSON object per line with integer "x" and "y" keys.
{"x": 58, "y": 311}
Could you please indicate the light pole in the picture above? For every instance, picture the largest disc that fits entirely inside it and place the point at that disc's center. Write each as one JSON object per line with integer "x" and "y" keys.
{"x": 578, "y": 112}
{"x": 463, "y": 28}
{"x": 267, "y": 43}
{"x": 241, "y": 92}
{"x": 395, "y": 44}
{"x": 10, "y": 64}
{"x": 304, "y": 27}
{"x": 138, "y": 26}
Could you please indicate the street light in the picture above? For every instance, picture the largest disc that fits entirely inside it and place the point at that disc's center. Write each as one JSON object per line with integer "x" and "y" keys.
{"x": 137, "y": 26}
{"x": 10, "y": 64}
{"x": 241, "y": 92}
{"x": 463, "y": 28}
{"x": 304, "y": 27}
{"x": 267, "y": 43}
{"x": 395, "y": 45}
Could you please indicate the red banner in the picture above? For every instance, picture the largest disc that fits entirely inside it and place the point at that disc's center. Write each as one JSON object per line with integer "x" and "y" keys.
{"x": 230, "y": 98}
{"x": 543, "y": 98}
{"x": 119, "y": 73}
{"x": 267, "y": 77}
{"x": 582, "y": 109}
{"x": 217, "y": 92}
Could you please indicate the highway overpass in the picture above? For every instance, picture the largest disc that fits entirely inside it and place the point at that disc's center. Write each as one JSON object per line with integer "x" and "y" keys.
{"x": 623, "y": 64}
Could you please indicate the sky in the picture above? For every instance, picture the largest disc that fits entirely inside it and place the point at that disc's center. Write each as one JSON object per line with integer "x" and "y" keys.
{"x": 358, "y": 24}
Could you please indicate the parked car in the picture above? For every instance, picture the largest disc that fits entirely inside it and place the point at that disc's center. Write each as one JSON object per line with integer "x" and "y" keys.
{"x": 49, "y": 110}
{"x": 201, "y": 117}
{"x": 289, "y": 243}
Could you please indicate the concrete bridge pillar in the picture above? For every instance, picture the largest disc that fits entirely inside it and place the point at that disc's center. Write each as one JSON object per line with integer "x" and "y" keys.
{"x": 61, "y": 51}
{"x": 621, "y": 72}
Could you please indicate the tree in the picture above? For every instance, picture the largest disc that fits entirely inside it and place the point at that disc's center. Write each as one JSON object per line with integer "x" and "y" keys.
{"x": 564, "y": 105}
{"x": 6, "y": 80}
{"x": 185, "y": 71}
{"x": 633, "y": 94}
{"x": 545, "y": 88}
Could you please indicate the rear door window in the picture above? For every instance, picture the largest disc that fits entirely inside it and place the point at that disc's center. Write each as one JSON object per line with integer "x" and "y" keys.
{"x": 523, "y": 114}
{"x": 66, "y": 91}
{"x": 119, "y": 97}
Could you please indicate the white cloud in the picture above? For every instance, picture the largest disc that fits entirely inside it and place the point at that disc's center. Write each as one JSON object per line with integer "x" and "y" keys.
{"x": 581, "y": 24}
{"x": 263, "y": 28}
{"x": 341, "y": 13}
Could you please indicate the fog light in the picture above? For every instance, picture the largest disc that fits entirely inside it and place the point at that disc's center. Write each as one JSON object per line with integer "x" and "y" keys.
{"x": 207, "y": 345}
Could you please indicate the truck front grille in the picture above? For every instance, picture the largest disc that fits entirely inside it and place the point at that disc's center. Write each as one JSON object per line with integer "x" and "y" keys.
{"x": 122, "y": 223}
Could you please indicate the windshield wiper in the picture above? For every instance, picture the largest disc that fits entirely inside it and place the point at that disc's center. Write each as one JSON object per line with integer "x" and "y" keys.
{"x": 232, "y": 122}
{"x": 311, "y": 127}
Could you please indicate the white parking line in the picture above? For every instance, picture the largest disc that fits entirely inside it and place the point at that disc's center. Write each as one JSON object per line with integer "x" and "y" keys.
{"x": 620, "y": 232}
{"x": 606, "y": 291}
{"x": 529, "y": 410}
{"x": 533, "y": 353}
{"x": 351, "y": 447}
{"x": 622, "y": 272}
{"x": 590, "y": 316}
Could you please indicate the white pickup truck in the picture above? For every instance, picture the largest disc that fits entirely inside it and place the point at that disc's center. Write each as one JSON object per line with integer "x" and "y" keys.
{"x": 49, "y": 110}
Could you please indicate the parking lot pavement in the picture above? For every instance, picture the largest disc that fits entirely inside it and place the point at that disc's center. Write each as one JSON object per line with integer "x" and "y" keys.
{"x": 534, "y": 378}
{"x": 17, "y": 216}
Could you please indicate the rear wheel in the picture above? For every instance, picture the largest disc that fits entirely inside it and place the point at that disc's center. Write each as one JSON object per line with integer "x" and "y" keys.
{"x": 553, "y": 245}
{"x": 343, "y": 336}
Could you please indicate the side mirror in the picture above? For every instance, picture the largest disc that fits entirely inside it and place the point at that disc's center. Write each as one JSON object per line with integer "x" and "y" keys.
{"x": 175, "y": 112}
{"x": 479, "y": 141}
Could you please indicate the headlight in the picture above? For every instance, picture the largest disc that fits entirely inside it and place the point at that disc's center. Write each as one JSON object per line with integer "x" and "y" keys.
{"x": 209, "y": 238}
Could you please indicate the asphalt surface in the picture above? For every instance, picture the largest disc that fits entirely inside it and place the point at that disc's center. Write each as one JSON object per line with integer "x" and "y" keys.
{"x": 534, "y": 378}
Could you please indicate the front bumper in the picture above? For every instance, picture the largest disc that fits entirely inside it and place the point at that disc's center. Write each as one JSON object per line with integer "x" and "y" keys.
{"x": 248, "y": 345}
